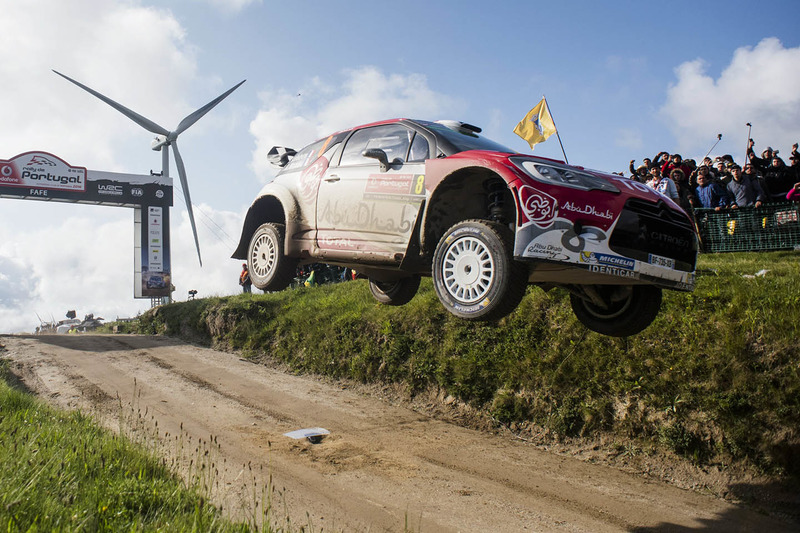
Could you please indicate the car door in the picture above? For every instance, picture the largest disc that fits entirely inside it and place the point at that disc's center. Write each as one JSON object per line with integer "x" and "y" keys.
{"x": 368, "y": 209}
{"x": 302, "y": 177}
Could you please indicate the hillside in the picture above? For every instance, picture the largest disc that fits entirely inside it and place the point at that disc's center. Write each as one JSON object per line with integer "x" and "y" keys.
{"x": 715, "y": 379}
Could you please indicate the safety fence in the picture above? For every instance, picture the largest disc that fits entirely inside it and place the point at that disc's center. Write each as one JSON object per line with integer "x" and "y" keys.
{"x": 769, "y": 227}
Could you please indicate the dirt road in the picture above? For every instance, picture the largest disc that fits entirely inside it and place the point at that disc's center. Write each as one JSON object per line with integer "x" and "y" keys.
{"x": 382, "y": 468}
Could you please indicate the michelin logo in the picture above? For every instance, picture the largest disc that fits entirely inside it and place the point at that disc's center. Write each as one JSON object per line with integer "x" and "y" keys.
{"x": 594, "y": 258}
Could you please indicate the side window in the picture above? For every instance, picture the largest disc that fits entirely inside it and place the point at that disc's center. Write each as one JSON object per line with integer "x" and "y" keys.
{"x": 419, "y": 149}
{"x": 394, "y": 139}
{"x": 329, "y": 152}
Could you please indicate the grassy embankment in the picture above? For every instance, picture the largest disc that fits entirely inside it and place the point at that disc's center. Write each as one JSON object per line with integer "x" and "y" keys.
{"x": 716, "y": 378}
{"x": 60, "y": 472}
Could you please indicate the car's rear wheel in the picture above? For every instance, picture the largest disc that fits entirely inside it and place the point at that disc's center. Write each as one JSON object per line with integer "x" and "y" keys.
{"x": 617, "y": 310}
{"x": 398, "y": 292}
{"x": 474, "y": 272}
{"x": 270, "y": 269}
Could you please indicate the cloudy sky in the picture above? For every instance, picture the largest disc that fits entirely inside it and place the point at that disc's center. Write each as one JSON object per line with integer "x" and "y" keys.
{"x": 624, "y": 79}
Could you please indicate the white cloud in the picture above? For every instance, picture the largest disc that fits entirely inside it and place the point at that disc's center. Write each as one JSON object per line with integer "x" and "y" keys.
{"x": 761, "y": 85}
{"x": 135, "y": 55}
{"x": 60, "y": 256}
{"x": 232, "y": 6}
{"x": 84, "y": 261}
{"x": 55, "y": 257}
{"x": 497, "y": 124}
{"x": 218, "y": 232}
{"x": 365, "y": 95}
{"x": 630, "y": 138}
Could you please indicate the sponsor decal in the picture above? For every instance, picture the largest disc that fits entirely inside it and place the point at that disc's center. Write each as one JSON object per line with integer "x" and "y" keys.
{"x": 559, "y": 241}
{"x": 367, "y": 217}
{"x": 113, "y": 190}
{"x": 38, "y": 192}
{"x": 613, "y": 271}
{"x": 472, "y": 308}
{"x": 44, "y": 177}
{"x": 577, "y": 243}
{"x": 41, "y": 160}
{"x": 336, "y": 242}
{"x": 596, "y": 258}
{"x": 41, "y": 170}
{"x": 136, "y": 191}
{"x": 394, "y": 187}
{"x": 156, "y": 235}
{"x": 634, "y": 185}
{"x": 785, "y": 217}
{"x": 539, "y": 207}
{"x": 309, "y": 179}
{"x": 397, "y": 184}
{"x": 7, "y": 174}
{"x": 159, "y": 194}
{"x": 546, "y": 251}
{"x": 588, "y": 210}
{"x": 671, "y": 240}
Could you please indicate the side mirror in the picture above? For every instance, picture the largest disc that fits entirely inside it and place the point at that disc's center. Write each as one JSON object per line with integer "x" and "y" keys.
{"x": 380, "y": 155}
{"x": 280, "y": 156}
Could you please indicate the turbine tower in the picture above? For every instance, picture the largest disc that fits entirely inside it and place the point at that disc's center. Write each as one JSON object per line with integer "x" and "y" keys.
{"x": 164, "y": 139}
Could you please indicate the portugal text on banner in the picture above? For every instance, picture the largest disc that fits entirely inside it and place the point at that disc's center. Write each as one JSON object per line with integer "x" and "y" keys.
{"x": 537, "y": 125}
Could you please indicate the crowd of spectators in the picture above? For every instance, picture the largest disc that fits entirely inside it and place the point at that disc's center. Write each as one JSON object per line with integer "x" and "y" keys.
{"x": 722, "y": 183}
{"x": 320, "y": 274}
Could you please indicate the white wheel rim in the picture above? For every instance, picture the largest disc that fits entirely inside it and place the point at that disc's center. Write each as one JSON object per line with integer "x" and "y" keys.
{"x": 262, "y": 260}
{"x": 468, "y": 269}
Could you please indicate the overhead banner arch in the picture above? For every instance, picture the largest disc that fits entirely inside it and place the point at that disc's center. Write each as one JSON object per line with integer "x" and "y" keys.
{"x": 43, "y": 176}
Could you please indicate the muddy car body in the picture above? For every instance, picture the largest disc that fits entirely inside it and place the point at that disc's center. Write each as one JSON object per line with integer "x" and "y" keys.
{"x": 401, "y": 199}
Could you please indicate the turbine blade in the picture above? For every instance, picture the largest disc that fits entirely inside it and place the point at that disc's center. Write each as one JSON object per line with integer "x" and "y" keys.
{"x": 185, "y": 186}
{"x": 146, "y": 123}
{"x": 197, "y": 115}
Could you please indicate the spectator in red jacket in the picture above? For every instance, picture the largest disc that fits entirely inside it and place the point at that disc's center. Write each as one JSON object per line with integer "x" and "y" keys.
{"x": 675, "y": 161}
{"x": 794, "y": 193}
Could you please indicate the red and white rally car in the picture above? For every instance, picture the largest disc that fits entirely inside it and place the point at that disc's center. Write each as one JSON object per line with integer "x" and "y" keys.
{"x": 400, "y": 199}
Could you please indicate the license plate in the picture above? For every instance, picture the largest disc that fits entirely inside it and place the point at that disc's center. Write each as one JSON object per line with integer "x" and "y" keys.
{"x": 661, "y": 261}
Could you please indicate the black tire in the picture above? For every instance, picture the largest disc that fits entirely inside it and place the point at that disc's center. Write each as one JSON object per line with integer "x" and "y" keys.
{"x": 474, "y": 273}
{"x": 631, "y": 308}
{"x": 270, "y": 269}
{"x": 398, "y": 292}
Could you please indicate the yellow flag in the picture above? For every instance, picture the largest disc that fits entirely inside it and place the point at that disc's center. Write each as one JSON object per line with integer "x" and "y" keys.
{"x": 537, "y": 125}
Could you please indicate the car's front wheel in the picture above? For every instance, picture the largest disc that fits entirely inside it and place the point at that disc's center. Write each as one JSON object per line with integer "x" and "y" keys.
{"x": 270, "y": 269}
{"x": 474, "y": 272}
{"x": 616, "y": 310}
{"x": 398, "y": 292}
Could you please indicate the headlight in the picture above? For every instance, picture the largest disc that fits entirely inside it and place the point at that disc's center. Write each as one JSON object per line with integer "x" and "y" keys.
{"x": 567, "y": 177}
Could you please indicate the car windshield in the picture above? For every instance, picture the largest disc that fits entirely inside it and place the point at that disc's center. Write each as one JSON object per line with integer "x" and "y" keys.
{"x": 467, "y": 140}
{"x": 305, "y": 157}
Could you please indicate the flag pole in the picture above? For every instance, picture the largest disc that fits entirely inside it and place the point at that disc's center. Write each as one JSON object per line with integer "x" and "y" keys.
{"x": 747, "y": 150}
{"x": 554, "y": 124}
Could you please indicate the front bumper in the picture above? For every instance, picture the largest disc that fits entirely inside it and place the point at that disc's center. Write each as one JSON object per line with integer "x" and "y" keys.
{"x": 648, "y": 243}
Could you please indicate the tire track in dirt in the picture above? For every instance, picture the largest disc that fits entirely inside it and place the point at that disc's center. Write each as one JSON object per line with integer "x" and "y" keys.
{"x": 382, "y": 465}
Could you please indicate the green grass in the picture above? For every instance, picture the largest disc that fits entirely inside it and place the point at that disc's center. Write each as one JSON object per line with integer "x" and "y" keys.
{"x": 715, "y": 379}
{"x": 60, "y": 472}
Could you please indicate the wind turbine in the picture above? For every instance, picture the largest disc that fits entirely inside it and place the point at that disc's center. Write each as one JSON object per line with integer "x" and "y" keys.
{"x": 164, "y": 139}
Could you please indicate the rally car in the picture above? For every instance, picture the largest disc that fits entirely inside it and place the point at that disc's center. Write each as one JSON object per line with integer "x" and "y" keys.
{"x": 400, "y": 199}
